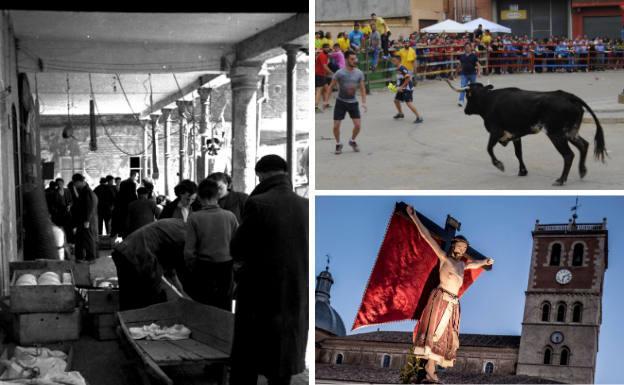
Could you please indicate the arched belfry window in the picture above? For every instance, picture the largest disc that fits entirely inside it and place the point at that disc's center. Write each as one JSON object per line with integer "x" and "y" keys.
{"x": 386, "y": 361}
{"x": 546, "y": 311}
{"x": 547, "y": 355}
{"x": 561, "y": 312}
{"x": 564, "y": 357}
{"x": 577, "y": 254}
{"x": 555, "y": 254}
{"x": 577, "y": 312}
{"x": 489, "y": 368}
{"x": 339, "y": 358}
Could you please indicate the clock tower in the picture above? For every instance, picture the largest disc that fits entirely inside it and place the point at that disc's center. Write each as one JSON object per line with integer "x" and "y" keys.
{"x": 563, "y": 305}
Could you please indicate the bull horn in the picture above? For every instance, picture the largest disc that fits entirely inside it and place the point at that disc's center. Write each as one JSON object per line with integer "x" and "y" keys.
{"x": 455, "y": 88}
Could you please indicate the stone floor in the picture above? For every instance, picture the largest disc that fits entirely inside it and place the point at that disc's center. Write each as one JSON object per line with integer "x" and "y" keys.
{"x": 448, "y": 150}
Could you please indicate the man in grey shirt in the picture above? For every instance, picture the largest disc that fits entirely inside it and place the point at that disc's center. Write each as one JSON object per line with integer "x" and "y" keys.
{"x": 349, "y": 79}
{"x": 375, "y": 45}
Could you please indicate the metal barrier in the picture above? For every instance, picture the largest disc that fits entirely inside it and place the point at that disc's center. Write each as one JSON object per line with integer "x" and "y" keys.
{"x": 441, "y": 61}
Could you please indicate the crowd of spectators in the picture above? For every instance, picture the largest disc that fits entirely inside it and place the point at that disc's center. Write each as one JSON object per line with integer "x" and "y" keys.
{"x": 435, "y": 54}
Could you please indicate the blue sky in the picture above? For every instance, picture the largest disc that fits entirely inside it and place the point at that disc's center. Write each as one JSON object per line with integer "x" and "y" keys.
{"x": 351, "y": 229}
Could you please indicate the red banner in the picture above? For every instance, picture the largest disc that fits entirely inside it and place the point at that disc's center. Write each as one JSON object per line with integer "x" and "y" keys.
{"x": 405, "y": 272}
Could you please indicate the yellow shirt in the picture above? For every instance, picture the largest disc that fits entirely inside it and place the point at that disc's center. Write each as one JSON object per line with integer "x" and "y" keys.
{"x": 318, "y": 43}
{"x": 366, "y": 30}
{"x": 344, "y": 43}
{"x": 486, "y": 39}
{"x": 381, "y": 25}
{"x": 327, "y": 41}
{"x": 408, "y": 57}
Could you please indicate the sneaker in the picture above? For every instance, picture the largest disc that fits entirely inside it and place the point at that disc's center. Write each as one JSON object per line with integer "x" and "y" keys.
{"x": 459, "y": 104}
{"x": 398, "y": 116}
{"x": 419, "y": 120}
{"x": 354, "y": 145}
{"x": 338, "y": 149}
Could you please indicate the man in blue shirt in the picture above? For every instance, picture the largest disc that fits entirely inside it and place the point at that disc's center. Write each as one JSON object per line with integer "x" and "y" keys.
{"x": 355, "y": 37}
{"x": 405, "y": 88}
{"x": 468, "y": 68}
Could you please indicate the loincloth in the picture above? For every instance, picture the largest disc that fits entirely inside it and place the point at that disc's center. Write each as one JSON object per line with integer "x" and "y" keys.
{"x": 437, "y": 333}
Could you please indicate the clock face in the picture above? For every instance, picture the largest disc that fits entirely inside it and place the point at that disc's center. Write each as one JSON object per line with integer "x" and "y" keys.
{"x": 556, "y": 337}
{"x": 563, "y": 276}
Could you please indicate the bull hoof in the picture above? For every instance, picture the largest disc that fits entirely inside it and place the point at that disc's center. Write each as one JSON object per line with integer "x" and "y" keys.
{"x": 583, "y": 172}
{"x": 559, "y": 182}
{"x": 523, "y": 172}
{"x": 499, "y": 165}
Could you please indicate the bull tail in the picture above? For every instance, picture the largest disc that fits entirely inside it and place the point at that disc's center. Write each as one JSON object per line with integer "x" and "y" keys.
{"x": 600, "y": 152}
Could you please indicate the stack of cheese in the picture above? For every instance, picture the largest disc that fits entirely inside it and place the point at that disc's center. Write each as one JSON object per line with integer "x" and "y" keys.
{"x": 47, "y": 278}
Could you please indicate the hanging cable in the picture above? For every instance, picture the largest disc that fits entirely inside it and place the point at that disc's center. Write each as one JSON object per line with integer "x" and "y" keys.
{"x": 108, "y": 135}
{"x": 128, "y": 101}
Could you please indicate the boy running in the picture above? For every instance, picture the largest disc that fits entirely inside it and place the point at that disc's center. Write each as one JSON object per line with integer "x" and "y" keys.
{"x": 405, "y": 88}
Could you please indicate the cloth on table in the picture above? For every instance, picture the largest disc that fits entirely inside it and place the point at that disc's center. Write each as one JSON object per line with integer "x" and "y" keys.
{"x": 156, "y": 332}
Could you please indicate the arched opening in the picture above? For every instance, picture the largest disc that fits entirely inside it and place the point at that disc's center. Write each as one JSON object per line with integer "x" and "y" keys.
{"x": 561, "y": 312}
{"x": 547, "y": 355}
{"x": 339, "y": 359}
{"x": 564, "y": 358}
{"x": 386, "y": 361}
{"x": 489, "y": 368}
{"x": 577, "y": 255}
{"x": 546, "y": 312}
{"x": 577, "y": 312}
{"x": 555, "y": 254}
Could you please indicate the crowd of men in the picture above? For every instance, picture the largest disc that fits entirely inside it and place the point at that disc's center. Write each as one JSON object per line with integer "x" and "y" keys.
{"x": 213, "y": 244}
{"x": 435, "y": 55}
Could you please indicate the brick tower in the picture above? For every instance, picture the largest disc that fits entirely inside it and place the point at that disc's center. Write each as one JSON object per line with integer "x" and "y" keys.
{"x": 563, "y": 306}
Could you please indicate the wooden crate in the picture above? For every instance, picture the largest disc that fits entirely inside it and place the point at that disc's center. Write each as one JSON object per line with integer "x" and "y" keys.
{"x": 8, "y": 351}
{"x": 42, "y": 298}
{"x": 35, "y": 328}
{"x": 103, "y": 326}
{"x": 103, "y": 300}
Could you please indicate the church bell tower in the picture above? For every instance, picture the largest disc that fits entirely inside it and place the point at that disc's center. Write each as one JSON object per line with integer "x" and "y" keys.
{"x": 563, "y": 305}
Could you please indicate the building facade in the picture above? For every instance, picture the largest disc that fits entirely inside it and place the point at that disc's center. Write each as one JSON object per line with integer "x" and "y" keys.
{"x": 598, "y": 18}
{"x": 560, "y": 326}
{"x": 563, "y": 307}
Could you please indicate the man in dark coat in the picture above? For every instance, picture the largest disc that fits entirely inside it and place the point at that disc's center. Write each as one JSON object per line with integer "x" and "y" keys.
{"x": 106, "y": 194}
{"x": 271, "y": 320}
{"x": 229, "y": 199}
{"x": 144, "y": 257}
{"x": 86, "y": 220}
{"x": 127, "y": 193}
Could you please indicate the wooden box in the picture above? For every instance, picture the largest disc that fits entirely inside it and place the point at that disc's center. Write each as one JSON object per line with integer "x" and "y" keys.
{"x": 103, "y": 300}
{"x": 41, "y": 298}
{"x": 104, "y": 326}
{"x": 35, "y": 328}
{"x": 8, "y": 352}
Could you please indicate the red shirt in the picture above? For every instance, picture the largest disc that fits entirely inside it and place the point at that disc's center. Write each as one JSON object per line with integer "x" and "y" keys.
{"x": 321, "y": 61}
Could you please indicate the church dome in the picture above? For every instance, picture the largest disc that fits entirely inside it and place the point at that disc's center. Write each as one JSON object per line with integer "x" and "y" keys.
{"x": 327, "y": 318}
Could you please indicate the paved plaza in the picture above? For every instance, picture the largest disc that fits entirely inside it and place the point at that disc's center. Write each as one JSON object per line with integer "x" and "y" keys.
{"x": 448, "y": 150}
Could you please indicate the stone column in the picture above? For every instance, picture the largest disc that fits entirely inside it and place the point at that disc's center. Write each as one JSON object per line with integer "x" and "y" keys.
{"x": 183, "y": 107}
{"x": 291, "y": 87}
{"x": 244, "y": 124}
{"x": 145, "y": 149}
{"x": 155, "y": 172}
{"x": 166, "y": 112}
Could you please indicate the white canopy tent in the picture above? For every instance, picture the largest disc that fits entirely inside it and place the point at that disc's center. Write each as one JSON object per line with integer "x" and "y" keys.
{"x": 486, "y": 24}
{"x": 448, "y": 25}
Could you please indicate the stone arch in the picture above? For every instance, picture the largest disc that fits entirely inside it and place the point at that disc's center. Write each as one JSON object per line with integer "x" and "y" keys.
{"x": 577, "y": 312}
{"x": 564, "y": 356}
{"x": 488, "y": 367}
{"x": 546, "y": 311}
{"x": 561, "y": 312}
{"x": 339, "y": 358}
{"x": 547, "y": 355}
{"x": 385, "y": 361}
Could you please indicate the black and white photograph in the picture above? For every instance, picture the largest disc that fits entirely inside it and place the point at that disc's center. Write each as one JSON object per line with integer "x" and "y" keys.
{"x": 154, "y": 197}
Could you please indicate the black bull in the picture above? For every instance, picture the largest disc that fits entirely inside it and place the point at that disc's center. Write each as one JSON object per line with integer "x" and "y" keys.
{"x": 511, "y": 113}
